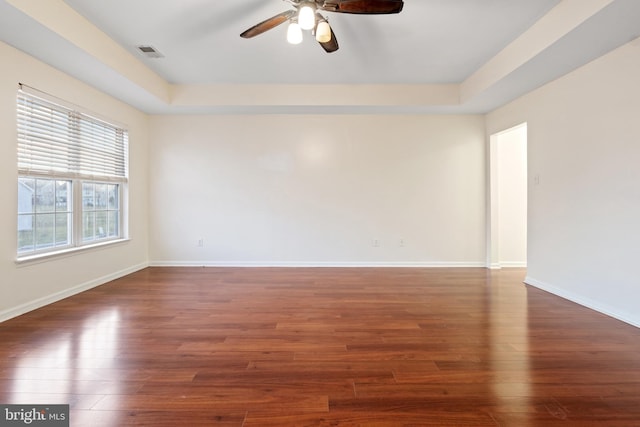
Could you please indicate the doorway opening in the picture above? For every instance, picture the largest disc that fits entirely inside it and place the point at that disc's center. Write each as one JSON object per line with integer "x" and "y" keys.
{"x": 508, "y": 198}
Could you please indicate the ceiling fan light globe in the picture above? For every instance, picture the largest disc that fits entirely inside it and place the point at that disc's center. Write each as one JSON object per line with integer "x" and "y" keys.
{"x": 294, "y": 33}
{"x": 307, "y": 17}
{"x": 323, "y": 32}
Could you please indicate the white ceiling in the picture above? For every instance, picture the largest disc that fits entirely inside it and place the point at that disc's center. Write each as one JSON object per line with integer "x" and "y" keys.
{"x": 431, "y": 42}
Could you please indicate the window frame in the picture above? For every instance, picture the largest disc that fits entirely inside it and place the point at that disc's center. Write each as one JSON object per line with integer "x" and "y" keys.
{"x": 77, "y": 178}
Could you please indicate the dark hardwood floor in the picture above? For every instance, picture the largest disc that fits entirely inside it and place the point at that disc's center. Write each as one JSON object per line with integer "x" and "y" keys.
{"x": 323, "y": 347}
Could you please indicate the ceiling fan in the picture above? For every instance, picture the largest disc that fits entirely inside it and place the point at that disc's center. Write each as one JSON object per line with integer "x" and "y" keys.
{"x": 306, "y": 16}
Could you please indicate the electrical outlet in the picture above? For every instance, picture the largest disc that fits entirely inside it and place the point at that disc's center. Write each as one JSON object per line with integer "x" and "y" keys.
{"x": 401, "y": 243}
{"x": 200, "y": 243}
{"x": 375, "y": 243}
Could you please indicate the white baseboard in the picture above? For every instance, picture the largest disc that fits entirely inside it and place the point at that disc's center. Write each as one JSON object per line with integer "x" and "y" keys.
{"x": 315, "y": 264}
{"x": 49, "y": 299}
{"x": 586, "y": 302}
{"x": 509, "y": 264}
{"x": 513, "y": 264}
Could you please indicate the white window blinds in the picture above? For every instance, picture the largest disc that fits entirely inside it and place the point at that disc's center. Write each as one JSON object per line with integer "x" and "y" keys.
{"x": 54, "y": 140}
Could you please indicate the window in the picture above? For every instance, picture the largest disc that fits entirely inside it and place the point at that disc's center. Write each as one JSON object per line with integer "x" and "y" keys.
{"x": 44, "y": 214}
{"x": 72, "y": 176}
{"x": 100, "y": 213}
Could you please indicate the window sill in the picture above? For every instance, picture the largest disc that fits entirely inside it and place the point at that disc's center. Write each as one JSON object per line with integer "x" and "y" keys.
{"x": 37, "y": 258}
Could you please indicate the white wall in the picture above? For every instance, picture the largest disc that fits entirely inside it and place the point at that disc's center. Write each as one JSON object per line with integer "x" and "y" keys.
{"x": 293, "y": 190}
{"x": 27, "y": 286}
{"x": 584, "y": 215}
{"x": 317, "y": 190}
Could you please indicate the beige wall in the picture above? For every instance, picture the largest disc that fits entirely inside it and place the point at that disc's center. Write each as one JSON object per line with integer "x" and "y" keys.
{"x": 584, "y": 214}
{"x": 29, "y": 285}
{"x": 318, "y": 190}
{"x": 294, "y": 190}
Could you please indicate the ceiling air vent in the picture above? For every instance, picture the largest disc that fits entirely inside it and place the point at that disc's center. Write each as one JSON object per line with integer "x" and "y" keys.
{"x": 150, "y": 51}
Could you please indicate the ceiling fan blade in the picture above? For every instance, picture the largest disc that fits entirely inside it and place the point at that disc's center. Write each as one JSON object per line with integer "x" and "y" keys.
{"x": 268, "y": 24}
{"x": 331, "y": 45}
{"x": 367, "y": 7}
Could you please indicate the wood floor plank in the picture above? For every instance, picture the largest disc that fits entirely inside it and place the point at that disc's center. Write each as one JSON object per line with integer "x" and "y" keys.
{"x": 323, "y": 347}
